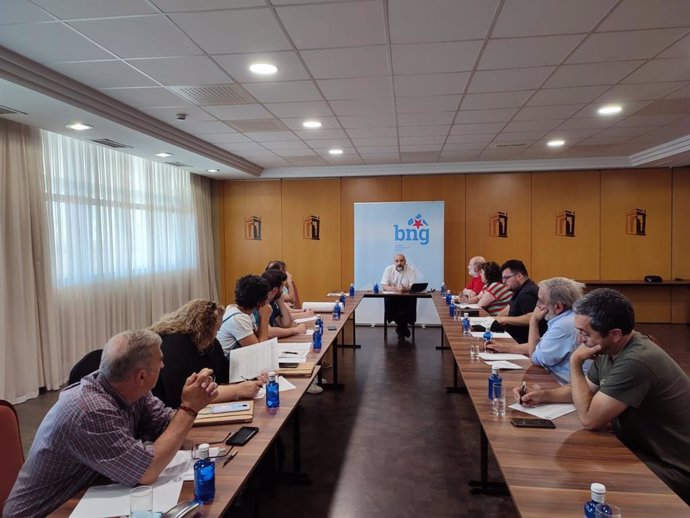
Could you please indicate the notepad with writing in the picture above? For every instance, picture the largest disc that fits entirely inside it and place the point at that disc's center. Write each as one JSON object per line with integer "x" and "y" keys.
{"x": 207, "y": 416}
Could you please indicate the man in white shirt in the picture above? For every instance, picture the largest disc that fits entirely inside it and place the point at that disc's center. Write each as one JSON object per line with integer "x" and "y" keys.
{"x": 398, "y": 277}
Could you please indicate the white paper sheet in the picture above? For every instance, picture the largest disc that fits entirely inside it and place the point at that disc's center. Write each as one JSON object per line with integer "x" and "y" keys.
{"x": 304, "y": 320}
{"x": 292, "y": 358}
{"x": 479, "y": 334}
{"x": 309, "y": 332}
{"x": 320, "y": 307}
{"x": 248, "y": 362}
{"x": 548, "y": 411}
{"x": 284, "y": 384}
{"x": 295, "y": 347}
{"x": 502, "y": 364}
{"x": 485, "y": 322}
{"x": 113, "y": 499}
{"x": 502, "y": 356}
{"x": 466, "y": 305}
{"x": 335, "y": 294}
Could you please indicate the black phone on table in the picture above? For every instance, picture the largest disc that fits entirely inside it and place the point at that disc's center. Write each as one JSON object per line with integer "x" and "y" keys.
{"x": 242, "y": 436}
{"x": 532, "y": 422}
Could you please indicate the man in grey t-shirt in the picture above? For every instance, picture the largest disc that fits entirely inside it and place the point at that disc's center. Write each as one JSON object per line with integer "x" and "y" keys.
{"x": 632, "y": 384}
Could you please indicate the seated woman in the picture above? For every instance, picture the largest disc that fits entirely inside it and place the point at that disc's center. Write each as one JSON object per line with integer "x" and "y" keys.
{"x": 290, "y": 293}
{"x": 189, "y": 345}
{"x": 495, "y": 295}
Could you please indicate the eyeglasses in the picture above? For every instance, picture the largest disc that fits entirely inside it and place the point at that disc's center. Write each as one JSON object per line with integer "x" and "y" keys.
{"x": 506, "y": 277}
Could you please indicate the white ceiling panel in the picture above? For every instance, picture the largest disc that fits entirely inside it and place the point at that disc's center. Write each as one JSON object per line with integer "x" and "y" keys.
{"x": 239, "y": 112}
{"x": 437, "y": 103}
{"x": 146, "y": 97}
{"x": 517, "y": 137}
{"x": 637, "y": 92}
{"x": 225, "y": 138}
{"x": 617, "y": 131}
{"x": 507, "y": 80}
{"x": 476, "y": 129}
{"x": 424, "y": 131}
{"x": 642, "y": 121}
{"x": 527, "y": 52}
{"x": 478, "y": 116}
{"x": 661, "y": 70}
{"x": 643, "y": 14}
{"x": 364, "y": 121}
{"x": 575, "y": 95}
{"x": 187, "y": 70}
{"x": 454, "y": 147}
{"x": 532, "y": 125}
{"x": 69, "y": 9}
{"x": 328, "y": 144}
{"x": 425, "y": 119}
{"x": 21, "y": 12}
{"x": 366, "y": 133}
{"x": 302, "y": 109}
{"x": 495, "y": 100}
{"x": 431, "y": 140}
{"x": 591, "y": 74}
{"x": 138, "y": 37}
{"x": 287, "y": 91}
{"x": 104, "y": 74}
{"x": 290, "y": 67}
{"x": 240, "y": 147}
{"x": 356, "y": 88}
{"x": 296, "y": 152}
{"x": 167, "y": 114}
{"x": 204, "y": 128}
{"x": 677, "y": 50}
{"x": 470, "y": 139}
{"x": 542, "y": 17}
{"x": 273, "y": 136}
{"x": 629, "y": 108}
{"x": 348, "y": 62}
{"x": 364, "y": 151}
{"x": 375, "y": 141}
{"x": 590, "y": 123}
{"x": 236, "y": 31}
{"x": 322, "y": 134}
{"x": 345, "y": 24}
{"x": 173, "y": 6}
{"x": 326, "y": 123}
{"x": 282, "y": 145}
{"x": 414, "y": 21}
{"x": 64, "y": 44}
{"x": 431, "y": 84}
{"x": 683, "y": 93}
{"x": 432, "y": 58}
{"x": 363, "y": 106}
{"x": 620, "y": 46}
{"x": 531, "y": 113}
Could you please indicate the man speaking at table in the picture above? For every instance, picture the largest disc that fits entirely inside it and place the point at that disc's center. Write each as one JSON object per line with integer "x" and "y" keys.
{"x": 399, "y": 277}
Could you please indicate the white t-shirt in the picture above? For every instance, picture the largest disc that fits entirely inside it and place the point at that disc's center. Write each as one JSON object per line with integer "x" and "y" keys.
{"x": 393, "y": 277}
{"x": 236, "y": 326}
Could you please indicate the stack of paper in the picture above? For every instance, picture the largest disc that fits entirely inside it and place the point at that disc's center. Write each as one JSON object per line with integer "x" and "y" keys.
{"x": 491, "y": 357}
{"x": 505, "y": 365}
{"x": 249, "y": 362}
{"x": 548, "y": 411}
{"x": 293, "y": 353}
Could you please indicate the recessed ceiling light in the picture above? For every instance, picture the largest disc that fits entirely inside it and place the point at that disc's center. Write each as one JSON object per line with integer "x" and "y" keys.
{"x": 265, "y": 69}
{"x": 610, "y": 109}
{"x": 163, "y": 155}
{"x": 335, "y": 151}
{"x": 555, "y": 142}
{"x": 312, "y": 124}
{"x": 79, "y": 126}
{"x": 212, "y": 170}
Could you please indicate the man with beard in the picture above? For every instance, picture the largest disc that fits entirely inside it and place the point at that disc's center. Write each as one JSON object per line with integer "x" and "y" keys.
{"x": 474, "y": 269}
{"x": 399, "y": 277}
{"x": 280, "y": 321}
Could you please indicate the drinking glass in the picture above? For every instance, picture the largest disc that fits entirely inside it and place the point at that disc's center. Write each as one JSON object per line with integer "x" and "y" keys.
{"x": 608, "y": 511}
{"x": 499, "y": 401}
{"x": 141, "y": 502}
{"x": 475, "y": 347}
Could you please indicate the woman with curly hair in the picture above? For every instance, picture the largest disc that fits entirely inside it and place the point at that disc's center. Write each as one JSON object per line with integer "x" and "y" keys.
{"x": 189, "y": 345}
{"x": 495, "y": 295}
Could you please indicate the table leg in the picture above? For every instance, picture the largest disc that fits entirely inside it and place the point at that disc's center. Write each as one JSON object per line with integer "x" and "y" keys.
{"x": 484, "y": 486}
{"x": 443, "y": 346}
{"x": 335, "y": 385}
{"x": 296, "y": 477}
{"x": 354, "y": 344}
{"x": 456, "y": 388}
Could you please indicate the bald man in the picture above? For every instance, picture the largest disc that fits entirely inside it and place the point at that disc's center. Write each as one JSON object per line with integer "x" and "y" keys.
{"x": 399, "y": 277}
{"x": 476, "y": 285}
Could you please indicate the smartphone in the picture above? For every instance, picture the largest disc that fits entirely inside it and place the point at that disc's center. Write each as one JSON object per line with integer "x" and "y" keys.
{"x": 242, "y": 436}
{"x": 332, "y": 328}
{"x": 229, "y": 407}
{"x": 288, "y": 365}
{"x": 531, "y": 422}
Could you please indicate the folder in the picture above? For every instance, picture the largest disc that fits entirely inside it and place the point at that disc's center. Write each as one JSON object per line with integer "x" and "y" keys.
{"x": 302, "y": 369}
{"x": 207, "y": 417}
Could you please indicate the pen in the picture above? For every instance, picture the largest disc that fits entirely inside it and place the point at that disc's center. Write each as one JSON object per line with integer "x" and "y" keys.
{"x": 523, "y": 390}
{"x": 231, "y": 456}
{"x": 290, "y": 352}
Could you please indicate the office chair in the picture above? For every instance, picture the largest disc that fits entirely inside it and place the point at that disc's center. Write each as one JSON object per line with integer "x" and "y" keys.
{"x": 11, "y": 451}
{"x": 88, "y": 364}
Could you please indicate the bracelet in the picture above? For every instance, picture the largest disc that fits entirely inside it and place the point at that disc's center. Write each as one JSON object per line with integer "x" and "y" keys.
{"x": 188, "y": 410}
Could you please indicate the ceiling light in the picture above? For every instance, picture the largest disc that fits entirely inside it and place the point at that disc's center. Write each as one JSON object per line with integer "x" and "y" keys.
{"x": 265, "y": 69}
{"x": 163, "y": 155}
{"x": 213, "y": 170}
{"x": 610, "y": 109}
{"x": 312, "y": 124}
{"x": 79, "y": 126}
{"x": 335, "y": 151}
{"x": 555, "y": 142}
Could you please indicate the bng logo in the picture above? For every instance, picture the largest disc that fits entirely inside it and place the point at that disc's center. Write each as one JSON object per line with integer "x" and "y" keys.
{"x": 417, "y": 230}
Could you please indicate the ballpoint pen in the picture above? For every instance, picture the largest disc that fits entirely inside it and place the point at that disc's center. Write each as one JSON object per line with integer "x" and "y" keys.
{"x": 231, "y": 456}
{"x": 523, "y": 390}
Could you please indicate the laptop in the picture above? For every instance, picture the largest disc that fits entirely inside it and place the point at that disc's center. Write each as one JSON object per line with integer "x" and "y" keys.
{"x": 418, "y": 287}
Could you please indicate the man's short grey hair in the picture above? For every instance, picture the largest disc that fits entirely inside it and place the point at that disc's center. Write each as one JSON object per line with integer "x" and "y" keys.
{"x": 128, "y": 352}
{"x": 563, "y": 290}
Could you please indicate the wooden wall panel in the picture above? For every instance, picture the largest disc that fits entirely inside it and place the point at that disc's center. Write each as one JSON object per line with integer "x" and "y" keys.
{"x": 353, "y": 190}
{"x": 625, "y": 256}
{"x": 680, "y": 245}
{"x": 485, "y": 195}
{"x": 451, "y": 190}
{"x": 242, "y": 199}
{"x": 314, "y": 264}
{"x": 553, "y": 253}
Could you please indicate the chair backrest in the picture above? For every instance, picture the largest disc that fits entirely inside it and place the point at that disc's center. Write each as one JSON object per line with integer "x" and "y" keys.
{"x": 11, "y": 451}
{"x": 88, "y": 364}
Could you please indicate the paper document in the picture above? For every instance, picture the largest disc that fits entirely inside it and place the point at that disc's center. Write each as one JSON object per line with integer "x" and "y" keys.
{"x": 113, "y": 499}
{"x": 293, "y": 353}
{"x": 466, "y": 305}
{"x": 304, "y": 320}
{"x": 505, "y": 365}
{"x": 309, "y": 332}
{"x": 549, "y": 411}
{"x": 502, "y": 356}
{"x": 485, "y": 322}
{"x": 335, "y": 294}
{"x": 479, "y": 334}
{"x": 284, "y": 384}
{"x": 248, "y": 362}
{"x": 295, "y": 347}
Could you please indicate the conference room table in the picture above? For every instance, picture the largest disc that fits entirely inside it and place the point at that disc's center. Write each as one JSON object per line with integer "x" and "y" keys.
{"x": 548, "y": 471}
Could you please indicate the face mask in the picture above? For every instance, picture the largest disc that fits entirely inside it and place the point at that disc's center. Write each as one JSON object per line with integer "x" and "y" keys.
{"x": 400, "y": 267}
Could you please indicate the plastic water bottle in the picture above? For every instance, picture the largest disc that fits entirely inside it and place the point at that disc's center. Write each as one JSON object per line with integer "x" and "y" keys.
{"x": 376, "y": 287}
{"x": 204, "y": 476}
{"x": 272, "y": 391}
{"x": 466, "y": 327}
{"x": 343, "y": 299}
{"x": 352, "y": 289}
{"x": 451, "y": 310}
{"x": 487, "y": 336}
{"x": 316, "y": 337}
{"x": 318, "y": 324}
{"x": 336, "y": 311}
{"x": 443, "y": 288}
{"x": 598, "y": 497}
{"x": 449, "y": 297}
{"x": 494, "y": 377}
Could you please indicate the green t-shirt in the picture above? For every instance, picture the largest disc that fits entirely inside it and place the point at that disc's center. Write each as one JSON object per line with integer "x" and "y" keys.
{"x": 656, "y": 424}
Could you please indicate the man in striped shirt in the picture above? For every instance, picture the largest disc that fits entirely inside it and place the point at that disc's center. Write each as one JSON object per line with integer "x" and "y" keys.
{"x": 99, "y": 427}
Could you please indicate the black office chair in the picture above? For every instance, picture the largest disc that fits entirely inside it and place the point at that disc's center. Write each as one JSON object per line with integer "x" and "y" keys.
{"x": 88, "y": 364}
